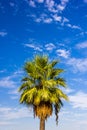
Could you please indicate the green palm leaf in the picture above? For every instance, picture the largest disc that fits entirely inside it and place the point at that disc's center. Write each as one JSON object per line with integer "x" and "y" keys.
{"x": 42, "y": 86}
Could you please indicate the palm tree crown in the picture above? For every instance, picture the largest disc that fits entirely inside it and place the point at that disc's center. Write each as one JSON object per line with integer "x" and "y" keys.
{"x": 41, "y": 87}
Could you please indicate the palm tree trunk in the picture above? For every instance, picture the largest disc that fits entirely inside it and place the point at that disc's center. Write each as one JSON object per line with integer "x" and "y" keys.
{"x": 42, "y": 124}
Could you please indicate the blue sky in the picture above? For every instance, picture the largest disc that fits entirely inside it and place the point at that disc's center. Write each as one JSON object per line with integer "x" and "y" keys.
{"x": 57, "y": 28}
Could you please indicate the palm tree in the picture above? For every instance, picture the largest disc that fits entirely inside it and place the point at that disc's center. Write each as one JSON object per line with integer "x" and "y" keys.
{"x": 41, "y": 88}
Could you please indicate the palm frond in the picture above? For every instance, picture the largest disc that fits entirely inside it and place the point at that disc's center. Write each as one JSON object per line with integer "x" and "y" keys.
{"x": 41, "y": 62}
{"x": 42, "y": 86}
{"x": 54, "y": 63}
{"x": 61, "y": 82}
{"x": 49, "y": 83}
{"x": 60, "y": 94}
{"x": 24, "y": 86}
{"x": 55, "y": 73}
{"x": 28, "y": 95}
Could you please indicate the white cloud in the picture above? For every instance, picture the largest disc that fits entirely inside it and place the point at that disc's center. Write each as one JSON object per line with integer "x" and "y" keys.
{"x": 63, "y": 53}
{"x": 47, "y": 20}
{"x": 57, "y": 18}
{"x": 73, "y": 26}
{"x": 44, "y": 19}
{"x": 65, "y": 20}
{"x": 40, "y": 1}
{"x": 69, "y": 90}
{"x": 32, "y": 3}
{"x": 15, "y": 91}
{"x": 78, "y": 64}
{"x": 35, "y": 47}
{"x": 13, "y": 94}
{"x": 2, "y": 71}
{"x": 14, "y": 97}
{"x": 64, "y": 1}
{"x": 54, "y": 7}
{"x": 7, "y": 113}
{"x": 3, "y": 123}
{"x": 82, "y": 33}
{"x": 61, "y": 7}
{"x": 17, "y": 73}
{"x": 82, "y": 45}
{"x": 2, "y": 33}
{"x": 7, "y": 83}
{"x": 79, "y": 100}
{"x": 38, "y": 20}
{"x": 50, "y": 46}
{"x": 29, "y": 45}
{"x": 76, "y": 27}
{"x": 50, "y": 3}
{"x": 4, "y": 109}
{"x": 53, "y": 10}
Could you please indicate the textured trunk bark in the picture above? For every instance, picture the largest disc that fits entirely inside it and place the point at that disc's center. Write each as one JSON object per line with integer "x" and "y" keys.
{"x": 42, "y": 124}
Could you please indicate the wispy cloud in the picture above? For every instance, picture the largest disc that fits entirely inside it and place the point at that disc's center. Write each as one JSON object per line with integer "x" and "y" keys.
{"x": 80, "y": 102}
{"x": 14, "y": 97}
{"x": 55, "y": 7}
{"x": 82, "y": 45}
{"x": 63, "y": 4}
{"x": 69, "y": 90}
{"x": 63, "y": 53}
{"x": 14, "y": 5}
{"x": 73, "y": 26}
{"x": 13, "y": 94}
{"x": 64, "y": 21}
{"x": 15, "y": 91}
{"x": 82, "y": 34}
{"x": 3, "y": 123}
{"x": 3, "y": 33}
{"x": 44, "y": 18}
{"x": 17, "y": 113}
{"x": 35, "y": 47}
{"x": 50, "y": 46}
{"x": 40, "y": 1}
{"x": 32, "y": 3}
{"x": 47, "y": 20}
{"x": 2, "y": 71}
{"x": 61, "y": 7}
{"x": 50, "y": 4}
{"x": 7, "y": 83}
{"x": 8, "y": 113}
{"x": 78, "y": 64}
{"x": 57, "y": 18}
{"x": 54, "y": 14}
